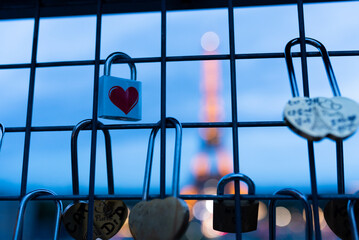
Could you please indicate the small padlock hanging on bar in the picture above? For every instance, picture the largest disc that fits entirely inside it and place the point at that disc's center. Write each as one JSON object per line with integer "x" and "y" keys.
{"x": 2, "y": 133}
{"x": 308, "y": 212}
{"x": 160, "y": 219}
{"x": 119, "y": 98}
{"x": 224, "y": 216}
{"x": 109, "y": 215}
{"x": 352, "y": 219}
{"x": 337, "y": 217}
{"x": 22, "y": 208}
{"x": 316, "y": 118}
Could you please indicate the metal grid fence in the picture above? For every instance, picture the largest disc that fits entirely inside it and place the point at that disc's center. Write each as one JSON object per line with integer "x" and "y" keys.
{"x": 36, "y": 12}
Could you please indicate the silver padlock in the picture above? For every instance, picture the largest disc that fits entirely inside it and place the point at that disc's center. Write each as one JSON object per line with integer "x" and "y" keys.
{"x": 224, "y": 217}
{"x": 119, "y": 98}
{"x": 308, "y": 212}
{"x": 21, "y": 213}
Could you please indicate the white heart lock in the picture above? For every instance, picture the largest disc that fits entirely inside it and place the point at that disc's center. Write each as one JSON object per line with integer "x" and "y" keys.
{"x": 320, "y": 117}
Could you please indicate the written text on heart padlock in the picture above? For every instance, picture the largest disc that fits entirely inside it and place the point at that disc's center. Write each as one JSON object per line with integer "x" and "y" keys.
{"x": 307, "y": 208}
{"x": 119, "y": 98}
{"x": 22, "y": 208}
{"x": 160, "y": 219}
{"x": 109, "y": 215}
{"x": 224, "y": 214}
{"x": 341, "y": 216}
{"x": 319, "y": 117}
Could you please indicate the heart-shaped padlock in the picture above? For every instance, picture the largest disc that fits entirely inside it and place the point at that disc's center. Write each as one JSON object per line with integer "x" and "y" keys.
{"x": 160, "y": 219}
{"x": 109, "y": 215}
{"x": 119, "y": 98}
{"x": 308, "y": 212}
{"x": 316, "y": 118}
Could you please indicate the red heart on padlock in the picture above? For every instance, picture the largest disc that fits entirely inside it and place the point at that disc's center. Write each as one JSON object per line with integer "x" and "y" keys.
{"x": 124, "y": 100}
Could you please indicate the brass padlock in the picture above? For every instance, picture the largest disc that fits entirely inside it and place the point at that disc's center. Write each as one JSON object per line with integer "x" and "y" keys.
{"x": 109, "y": 215}
{"x": 161, "y": 219}
{"x": 224, "y": 218}
{"x": 22, "y": 208}
{"x": 308, "y": 213}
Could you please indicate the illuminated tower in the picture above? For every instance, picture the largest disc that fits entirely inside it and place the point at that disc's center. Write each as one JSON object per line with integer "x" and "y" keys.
{"x": 212, "y": 160}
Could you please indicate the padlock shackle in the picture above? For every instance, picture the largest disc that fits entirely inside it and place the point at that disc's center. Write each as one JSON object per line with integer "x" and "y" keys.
{"x": 232, "y": 177}
{"x": 2, "y": 129}
{"x": 326, "y": 61}
{"x": 22, "y": 208}
{"x": 176, "y": 163}
{"x": 119, "y": 55}
{"x": 352, "y": 220}
{"x": 297, "y": 195}
{"x": 74, "y": 158}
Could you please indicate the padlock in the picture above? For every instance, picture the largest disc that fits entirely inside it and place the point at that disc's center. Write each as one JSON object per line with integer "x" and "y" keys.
{"x": 352, "y": 219}
{"x": 337, "y": 217}
{"x": 160, "y": 219}
{"x": 119, "y": 98}
{"x": 224, "y": 216}
{"x": 308, "y": 212}
{"x": 2, "y": 133}
{"x": 109, "y": 215}
{"x": 316, "y": 118}
{"x": 22, "y": 208}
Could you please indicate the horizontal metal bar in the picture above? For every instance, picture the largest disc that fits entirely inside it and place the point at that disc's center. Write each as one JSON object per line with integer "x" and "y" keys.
{"x": 185, "y": 197}
{"x": 179, "y": 59}
{"x": 10, "y": 9}
{"x": 151, "y": 125}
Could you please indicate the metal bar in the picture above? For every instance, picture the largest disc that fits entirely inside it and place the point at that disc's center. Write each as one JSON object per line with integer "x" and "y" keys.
{"x": 24, "y": 9}
{"x": 313, "y": 178}
{"x": 340, "y": 167}
{"x": 183, "y": 196}
{"x": 94, "y": 122}
{"x": 152, "y": 125}
{"x": 30, "y": 102}
{"x": 163, "y": 99}
{"x": 179, "y": 59}
{"x": 234, "y": 118}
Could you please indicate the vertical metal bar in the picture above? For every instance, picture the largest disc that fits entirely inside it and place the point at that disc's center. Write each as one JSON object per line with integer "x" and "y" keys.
{"x": 30, "y": 102}
{"x": 340, "y": 167}
{"x": 313, "y": 178}
{"x": 163, "y": 99}
{"x": 234, "y": 117}
{"x": 94, "y": 122}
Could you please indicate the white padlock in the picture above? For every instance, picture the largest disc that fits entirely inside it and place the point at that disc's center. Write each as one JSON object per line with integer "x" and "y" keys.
{"x": 119, "y": 98}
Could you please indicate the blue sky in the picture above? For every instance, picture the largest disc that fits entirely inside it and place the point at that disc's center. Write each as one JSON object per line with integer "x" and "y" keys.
{"x": 63, "y": 95}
